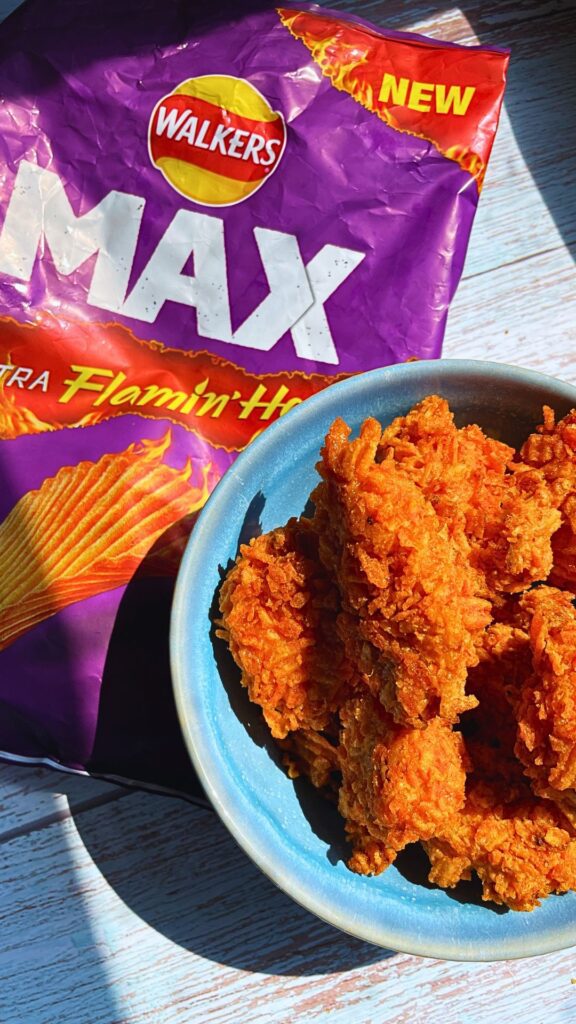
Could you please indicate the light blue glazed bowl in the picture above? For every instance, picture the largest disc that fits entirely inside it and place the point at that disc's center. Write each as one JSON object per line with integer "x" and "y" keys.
{"x": 287, "y": 829}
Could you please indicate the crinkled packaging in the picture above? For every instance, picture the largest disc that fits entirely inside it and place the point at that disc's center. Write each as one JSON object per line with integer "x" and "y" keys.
{"x": 205, "y": 218}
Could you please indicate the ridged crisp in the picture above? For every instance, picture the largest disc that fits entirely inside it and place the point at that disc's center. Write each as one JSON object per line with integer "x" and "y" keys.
{"x": 87, "y": 529}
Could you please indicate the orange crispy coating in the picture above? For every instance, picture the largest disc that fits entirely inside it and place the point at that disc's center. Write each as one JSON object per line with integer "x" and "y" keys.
{"x": 522, "y": 850}
{"x": 409, "y": 592}
{"x": 547, "y": 707}
{"x": 552, "y": 449}
{"x": 311, "y": 754}
{"x": 502, "y": 512}
{"x": 393, "y": 641}
{"x": 490, "y": 728}
{"x": 398, "y": 783}
{"x": 278, "y": 609}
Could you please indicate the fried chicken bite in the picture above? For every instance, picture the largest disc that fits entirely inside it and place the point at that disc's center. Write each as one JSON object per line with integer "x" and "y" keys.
{"x": 278, "y": 609}
{"x": 408, "y": 594}
{"x": 546, "y": 710}
{"x": 552, "y": 449}
{"x": 452, "y": 467}
{"x": 398, "y": 784}
{"x": 501, "y": 512}
{"x": 521, "y": 847}
{"x": 490, "y": 728}
{"x": 314, "y": 756}
{"x": 401, "y": 660}
{"x": 516, "y": 549}
{"x": 521, "y": 850}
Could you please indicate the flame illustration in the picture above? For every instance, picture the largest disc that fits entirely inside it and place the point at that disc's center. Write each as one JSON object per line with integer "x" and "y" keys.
{"x": 341, "y": 63}
{"x": 15, "y": 419}
{"x": 469, "y": 161}
{"x": 87, "y": 529}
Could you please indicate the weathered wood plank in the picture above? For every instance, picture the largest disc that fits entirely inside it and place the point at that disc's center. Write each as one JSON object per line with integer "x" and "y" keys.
{"x": 30, "y": 797}
{"x": 524, "y": 314}
{"x": 444, "y": 19}
{"x": 146, "y": 910}
{"x": 7, "y": 6}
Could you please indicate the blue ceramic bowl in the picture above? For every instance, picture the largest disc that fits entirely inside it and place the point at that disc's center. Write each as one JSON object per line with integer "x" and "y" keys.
{"x": 294, "y": 836}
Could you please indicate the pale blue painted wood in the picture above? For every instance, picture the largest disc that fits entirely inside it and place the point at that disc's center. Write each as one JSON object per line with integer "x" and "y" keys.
{"x": 523, "y": 314}
{"x": 29, "y": 796}
{"x": 146, "y": 910}
{"x": 7, "y": 6}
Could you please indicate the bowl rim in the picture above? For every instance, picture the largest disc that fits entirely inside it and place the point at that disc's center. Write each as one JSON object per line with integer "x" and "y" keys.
{"x": 519, "y": 947}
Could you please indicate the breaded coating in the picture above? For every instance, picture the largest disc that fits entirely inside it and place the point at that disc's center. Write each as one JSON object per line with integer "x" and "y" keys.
{"x": 503, "y": 513}
{"x": 408, "y": 591}
{"x": 398, "y": 784}
{"x": 279, "y": 608}
{"x": 564, "y": 800}
{"x": 312, "y": 755}
{"x": 563, "y": 574}
{"x": 552, "y": 449}
{"x": 454, "y": 468}
{"x": 406, "y": 662}
{"x": 490, "y": 728}
{"x": 504, "y": 659}
{"x": 516, "y": 549}
{"x": 522, "y": 850}
{"x": 546, "y": 710}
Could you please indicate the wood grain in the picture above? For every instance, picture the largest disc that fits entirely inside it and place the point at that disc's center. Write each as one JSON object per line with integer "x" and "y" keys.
{"x": 146, "y": 910}
{"x": 35, "y": 797}
{"x": 525, "y": 315}
{"x": 142, "y": 909}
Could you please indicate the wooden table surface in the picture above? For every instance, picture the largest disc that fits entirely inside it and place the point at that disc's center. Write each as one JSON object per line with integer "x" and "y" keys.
{"x": 119, "y": 907}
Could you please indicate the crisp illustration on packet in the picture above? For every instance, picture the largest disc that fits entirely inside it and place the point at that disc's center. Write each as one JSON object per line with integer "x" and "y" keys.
{"x": 204, "y": 220}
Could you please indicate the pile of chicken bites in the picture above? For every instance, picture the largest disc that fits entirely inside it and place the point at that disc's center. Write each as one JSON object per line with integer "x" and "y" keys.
{"x": 413, "y": 647}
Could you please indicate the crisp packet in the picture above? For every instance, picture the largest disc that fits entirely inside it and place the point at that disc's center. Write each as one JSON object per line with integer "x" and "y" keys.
{"x": 205, "y": 218}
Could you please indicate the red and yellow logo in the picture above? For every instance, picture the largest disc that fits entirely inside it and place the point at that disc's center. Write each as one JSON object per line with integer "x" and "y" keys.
{"x": 216, "y": 139}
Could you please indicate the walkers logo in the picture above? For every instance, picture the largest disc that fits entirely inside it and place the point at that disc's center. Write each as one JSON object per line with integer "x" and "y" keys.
{"x": 216, "y": 139}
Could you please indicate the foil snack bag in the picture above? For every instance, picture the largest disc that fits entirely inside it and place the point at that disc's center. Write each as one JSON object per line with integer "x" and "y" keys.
{"x": 204, "y": 219}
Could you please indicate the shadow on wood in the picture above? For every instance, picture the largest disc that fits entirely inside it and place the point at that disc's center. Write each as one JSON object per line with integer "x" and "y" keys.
{"x": 187, "y": 878}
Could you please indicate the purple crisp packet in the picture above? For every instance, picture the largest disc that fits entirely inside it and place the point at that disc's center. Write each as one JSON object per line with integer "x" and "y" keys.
{"x": 204, "y": 219}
